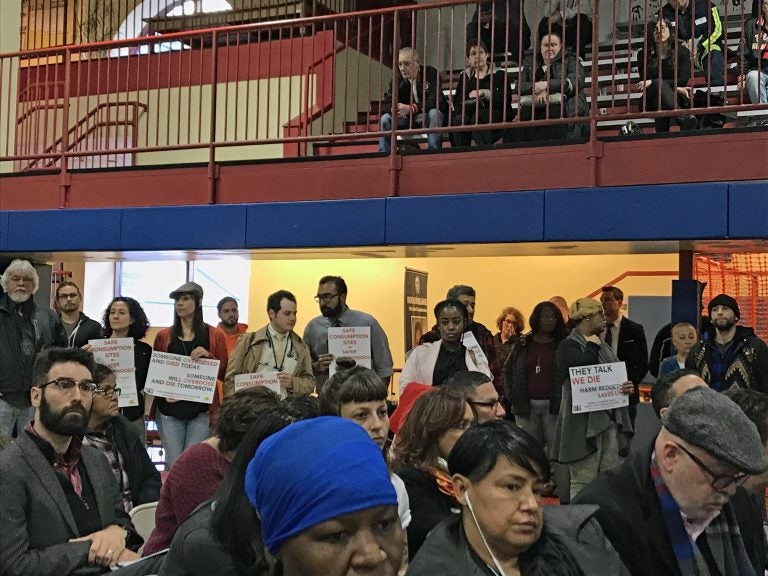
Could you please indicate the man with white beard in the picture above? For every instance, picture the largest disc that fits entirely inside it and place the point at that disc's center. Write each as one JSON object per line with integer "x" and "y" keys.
{"x": 25, "y": 330}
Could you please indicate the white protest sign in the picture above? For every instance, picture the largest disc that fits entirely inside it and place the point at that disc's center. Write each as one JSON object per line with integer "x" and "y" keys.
{"x": 181, "y": 378}
{"x": 351, "y": 342}
{"x": 598, "y": 387}
{"x": 117, "y": 354}
{"x": 265, "y": 379}
{"x": 471, "y": 343}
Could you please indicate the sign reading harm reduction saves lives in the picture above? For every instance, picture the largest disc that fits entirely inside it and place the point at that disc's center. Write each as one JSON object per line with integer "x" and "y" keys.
{"x": 598, "y": 387}
{"x": 181, "y": 378}
{"x": 351, "y": 342}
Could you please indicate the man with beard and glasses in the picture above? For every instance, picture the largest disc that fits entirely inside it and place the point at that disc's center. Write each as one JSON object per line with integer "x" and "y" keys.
{"x": 79, "y": 328}
{"x": 332, "y": 297}
{"x": 60, "y": 509}
{"x": 25, "y": 330}
{"x": 729, "y": 356}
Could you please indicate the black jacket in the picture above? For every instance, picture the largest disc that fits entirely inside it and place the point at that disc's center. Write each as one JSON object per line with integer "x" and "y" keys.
{"x": 631, "y": 517}
{"x": 448, "y": 553}
{"x": 48, "y": 330}
{"x": 516, "y": 379}
{"x": 86, "y": 329}
{"x": 700, "y": 19}
{"x": 142, "y": 354}
{"x": 507, "y": 30}
{"x": 427, "y": 87}
{"x": 143, "y": 477}
{"x": 751, "y": 49}
{"x": 680, "y": 63}
{"x": 633, "y": 351}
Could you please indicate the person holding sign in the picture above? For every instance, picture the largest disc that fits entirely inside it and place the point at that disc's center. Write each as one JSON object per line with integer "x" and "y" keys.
{"x": 182, "y": 423}
{"x": 433, "y": 362}
{"x": 588, "y": 442}
{"x": 274, "y": 349}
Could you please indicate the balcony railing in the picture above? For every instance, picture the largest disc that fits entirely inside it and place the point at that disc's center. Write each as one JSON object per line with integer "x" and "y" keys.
{"x": 316, "y": 86}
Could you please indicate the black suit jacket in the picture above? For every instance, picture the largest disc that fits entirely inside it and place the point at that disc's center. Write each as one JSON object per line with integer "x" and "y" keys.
{"x": 633, "y": 350}
{"x": 631, "y": 517}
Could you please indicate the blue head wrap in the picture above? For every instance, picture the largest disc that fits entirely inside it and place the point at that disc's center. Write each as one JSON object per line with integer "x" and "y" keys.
{"x": 312, "y": 471}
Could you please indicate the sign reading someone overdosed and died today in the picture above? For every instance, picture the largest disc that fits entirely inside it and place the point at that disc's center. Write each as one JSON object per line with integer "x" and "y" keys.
{"x": 265, "y": 379}
{"x": 181, "y": 378}
{"x": 598, "y": 387}
{"x": 117, "y": 355}
{"x": 350, "y": 342}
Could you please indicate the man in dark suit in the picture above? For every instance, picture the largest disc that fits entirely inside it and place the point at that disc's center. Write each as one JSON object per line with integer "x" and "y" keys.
{"x": 627, "y": 338}
{"x": 60, "y": 509}
{"x": 418, "y": 103}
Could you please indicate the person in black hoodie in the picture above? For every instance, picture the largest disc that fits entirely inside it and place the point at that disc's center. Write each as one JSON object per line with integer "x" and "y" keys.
{"x": 79, "y": 328}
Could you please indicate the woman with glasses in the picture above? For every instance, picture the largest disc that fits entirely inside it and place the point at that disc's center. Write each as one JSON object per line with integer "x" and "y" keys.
{"x": 183, "y": 423}
{"x": 588, "y": 442}
{"x": 113, "y": 435}
{"x": 125, "y": 318}
{"x": 529, "y": 374}
{"x": 436, "y": 421}
{"x": 434, "y": 362}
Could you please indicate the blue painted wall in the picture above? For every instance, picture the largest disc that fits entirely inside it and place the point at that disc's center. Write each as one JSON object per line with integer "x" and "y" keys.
{"x": 670, "y": 212}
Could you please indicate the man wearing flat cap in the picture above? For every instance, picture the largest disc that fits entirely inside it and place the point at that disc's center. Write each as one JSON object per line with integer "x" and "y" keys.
{"x": 670, "y": 508}
{"x": 729, "y": 356}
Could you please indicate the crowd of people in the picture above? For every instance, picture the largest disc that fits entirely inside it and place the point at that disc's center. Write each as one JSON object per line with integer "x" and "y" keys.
{"x": 324, "y": 479}
{"x": 546, "y": 80}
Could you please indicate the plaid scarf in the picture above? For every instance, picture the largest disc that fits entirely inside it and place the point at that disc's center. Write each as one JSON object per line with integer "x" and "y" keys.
{"x": 116, "y": 463}
{"x": 65, "y": 465}
{"x": 722, "y": 535}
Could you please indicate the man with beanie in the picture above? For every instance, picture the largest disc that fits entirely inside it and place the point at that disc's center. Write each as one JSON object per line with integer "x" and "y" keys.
{"x": 330, "y": 509}
{"x": 729, "y": 356}
{"x": 671, "y": 507}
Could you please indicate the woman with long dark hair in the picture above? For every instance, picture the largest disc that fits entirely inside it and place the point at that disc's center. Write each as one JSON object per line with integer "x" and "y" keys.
{"x": 529, "y": 374}
{"x": 125, "y": 318}
{"x": 183, "y": 423}
{"x": 664, "y": 65}
{"x": 498, "y": 472}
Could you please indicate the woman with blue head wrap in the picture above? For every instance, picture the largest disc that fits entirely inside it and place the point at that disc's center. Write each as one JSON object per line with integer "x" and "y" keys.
{"x": 327, "y": 506}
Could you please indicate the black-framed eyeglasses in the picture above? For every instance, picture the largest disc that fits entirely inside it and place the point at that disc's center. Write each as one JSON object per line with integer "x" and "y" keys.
{"x": 325, "y": 297}
{"x": 489, "y": 404}
{"x": 68, "y": 384}
{"x": 108, "y": 392}
{"x": 720, "y": 482}
{"x": 68, "y": 296}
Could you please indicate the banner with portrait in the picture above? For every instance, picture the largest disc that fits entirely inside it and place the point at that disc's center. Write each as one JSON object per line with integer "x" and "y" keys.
{"x": 416, "y": 313}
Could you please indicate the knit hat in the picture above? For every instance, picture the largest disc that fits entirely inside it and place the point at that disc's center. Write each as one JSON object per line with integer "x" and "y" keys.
{"x": 724, "y": 300}
{"x": 187, "y": 288}
{"x": 313, "y": 471}
{"x": 584, "y": 307}
{"x": 713, "y": 422}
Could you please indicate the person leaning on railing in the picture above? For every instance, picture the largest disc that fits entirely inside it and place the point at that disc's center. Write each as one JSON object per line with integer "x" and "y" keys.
{"x": 551, "y": 86}
{"x": 665, "y": 69}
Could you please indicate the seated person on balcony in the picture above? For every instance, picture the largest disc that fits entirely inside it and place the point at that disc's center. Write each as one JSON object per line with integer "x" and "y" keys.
{"x": 419, "y": 100}
{"x": 501, "y": 26}
{"x": 700, "y": 20}
{"x": 664, "y": 65}
{"x": 754, "y": 54}
{"x": 479, "y": 99}
{"x": 575, "y": 16}
{"x": 551, "y": 86}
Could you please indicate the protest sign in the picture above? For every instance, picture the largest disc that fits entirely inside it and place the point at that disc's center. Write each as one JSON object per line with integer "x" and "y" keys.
{"x": 351, "y": 342}
{"x": 181, "y": 378}
{"x": 117, "y": 354}
{"x": 598, "y": 387}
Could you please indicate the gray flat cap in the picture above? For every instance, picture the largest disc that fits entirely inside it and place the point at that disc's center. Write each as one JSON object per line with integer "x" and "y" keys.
{"x": 713, "y": 422}
{"x": 187, "y": 288}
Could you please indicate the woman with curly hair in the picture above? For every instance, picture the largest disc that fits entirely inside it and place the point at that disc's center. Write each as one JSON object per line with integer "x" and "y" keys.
{"x": 511, "y": 325}
{"x": 125, "y": 318}
{"x": 438, "y": 418}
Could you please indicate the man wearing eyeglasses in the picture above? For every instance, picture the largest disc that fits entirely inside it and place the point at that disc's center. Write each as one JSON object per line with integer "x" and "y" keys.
{"x": 79, "y": 328}
{"x": 60, "y": 509}
{"x": 25, "y": 330}
{"x": 676, "y": 507}
{"x": 332, "y": 298}
{"x": 119, "y": 442}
